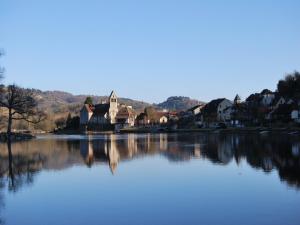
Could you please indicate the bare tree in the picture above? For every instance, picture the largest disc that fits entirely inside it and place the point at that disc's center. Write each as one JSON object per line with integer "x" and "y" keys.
{"x": 20, "y": 105}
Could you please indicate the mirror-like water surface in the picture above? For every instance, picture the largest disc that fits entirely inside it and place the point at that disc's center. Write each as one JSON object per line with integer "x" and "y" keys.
{"x": 151, "y": 179}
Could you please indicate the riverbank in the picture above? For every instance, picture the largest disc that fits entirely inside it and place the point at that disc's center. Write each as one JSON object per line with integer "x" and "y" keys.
{"x": 261, "y": 130}
{"x": 16, "y": 137}
{"x": 76, "y": 132}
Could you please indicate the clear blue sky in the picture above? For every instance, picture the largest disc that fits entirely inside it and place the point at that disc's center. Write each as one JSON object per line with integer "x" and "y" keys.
{"x": 149, "y": 50}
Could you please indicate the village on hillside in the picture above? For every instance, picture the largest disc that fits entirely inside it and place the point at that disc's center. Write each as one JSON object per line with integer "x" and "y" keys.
{"x": 269, "y": 109}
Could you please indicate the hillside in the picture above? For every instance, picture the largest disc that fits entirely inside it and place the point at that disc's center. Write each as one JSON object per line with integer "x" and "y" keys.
{"x": 58, "y": 101}
{"x": 178, "y": 103}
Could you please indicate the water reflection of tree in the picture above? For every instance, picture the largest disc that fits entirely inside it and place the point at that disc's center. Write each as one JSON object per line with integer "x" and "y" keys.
{"x": 261, "y": 153}
{"x": 21, "y": 169}
{"x": 266, "y": 153}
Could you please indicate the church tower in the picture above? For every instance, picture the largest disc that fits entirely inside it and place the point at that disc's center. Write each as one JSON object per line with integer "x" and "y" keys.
{"x": 237, "y": 100}
{"x": 113, "y": 107}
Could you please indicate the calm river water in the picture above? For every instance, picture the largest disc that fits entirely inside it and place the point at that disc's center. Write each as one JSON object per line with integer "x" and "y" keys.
{"x": 151, "y": 179}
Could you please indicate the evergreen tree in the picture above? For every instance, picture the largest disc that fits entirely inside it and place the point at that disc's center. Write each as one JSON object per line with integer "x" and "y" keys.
{"x": 69, "y": 121}
{"x": 290, "y": 85}
{"x": 88, "y": 100}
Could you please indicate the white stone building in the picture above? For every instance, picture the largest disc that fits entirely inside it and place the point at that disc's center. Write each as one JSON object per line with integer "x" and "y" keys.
{"x": 106, "y": 114}
{"x": 218, "y": 110}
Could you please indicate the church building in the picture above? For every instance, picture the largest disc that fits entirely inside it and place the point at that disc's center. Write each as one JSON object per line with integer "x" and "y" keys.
{"x": 105, "y": 115}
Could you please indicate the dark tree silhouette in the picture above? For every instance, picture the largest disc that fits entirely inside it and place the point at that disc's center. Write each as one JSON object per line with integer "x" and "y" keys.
{"x": 20, "y": 105}
{"x": 69, "y": 119}
{"x": 88, "y": 100}
{"x": 72, "y": 122}
{"x": 290, "y": 85}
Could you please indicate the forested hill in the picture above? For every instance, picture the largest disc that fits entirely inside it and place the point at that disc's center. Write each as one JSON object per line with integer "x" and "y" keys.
{"x": 58, "y": 101}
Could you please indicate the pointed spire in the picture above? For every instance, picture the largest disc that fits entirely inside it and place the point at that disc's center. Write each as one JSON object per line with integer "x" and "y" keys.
{"x": 113, "y": 167}
{"x": 237, "y": 99}
{"x": 113, "y": 95}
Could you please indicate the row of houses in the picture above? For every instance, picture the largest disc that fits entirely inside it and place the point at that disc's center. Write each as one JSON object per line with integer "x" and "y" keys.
{"x": 161, "y": 118}
{"x": 258, "y": 108}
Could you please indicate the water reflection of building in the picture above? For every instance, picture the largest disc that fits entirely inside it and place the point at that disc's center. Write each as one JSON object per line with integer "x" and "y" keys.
{"x": 225, "y": 151}
{"x": 265, "y": 153}
{"x": 87, "y": 151}
{"x": 197, "y": 151}
{"x": 132, "y": 145}
{"x": 112, "y": 153}
{"x": 296, "y": 149}
{"x": 114, "y": 148}
{"x": 108, "y": 150}
{"x": 163, "y": 142}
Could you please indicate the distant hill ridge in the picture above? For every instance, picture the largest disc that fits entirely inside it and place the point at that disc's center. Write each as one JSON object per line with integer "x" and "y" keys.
{"x": 53, "y": 100}
{"x": 179, "y": 103}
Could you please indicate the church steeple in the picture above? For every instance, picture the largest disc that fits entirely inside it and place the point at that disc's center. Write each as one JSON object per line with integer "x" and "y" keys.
{"x": 237, "y": 100}
{"x": 113, "y": 107}
{"x": 113, "y": 97}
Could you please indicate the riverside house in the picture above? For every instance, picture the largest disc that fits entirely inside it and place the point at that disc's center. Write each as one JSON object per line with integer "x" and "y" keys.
{"x": 159, "y": 118}
{"x": 218, "y": 110}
